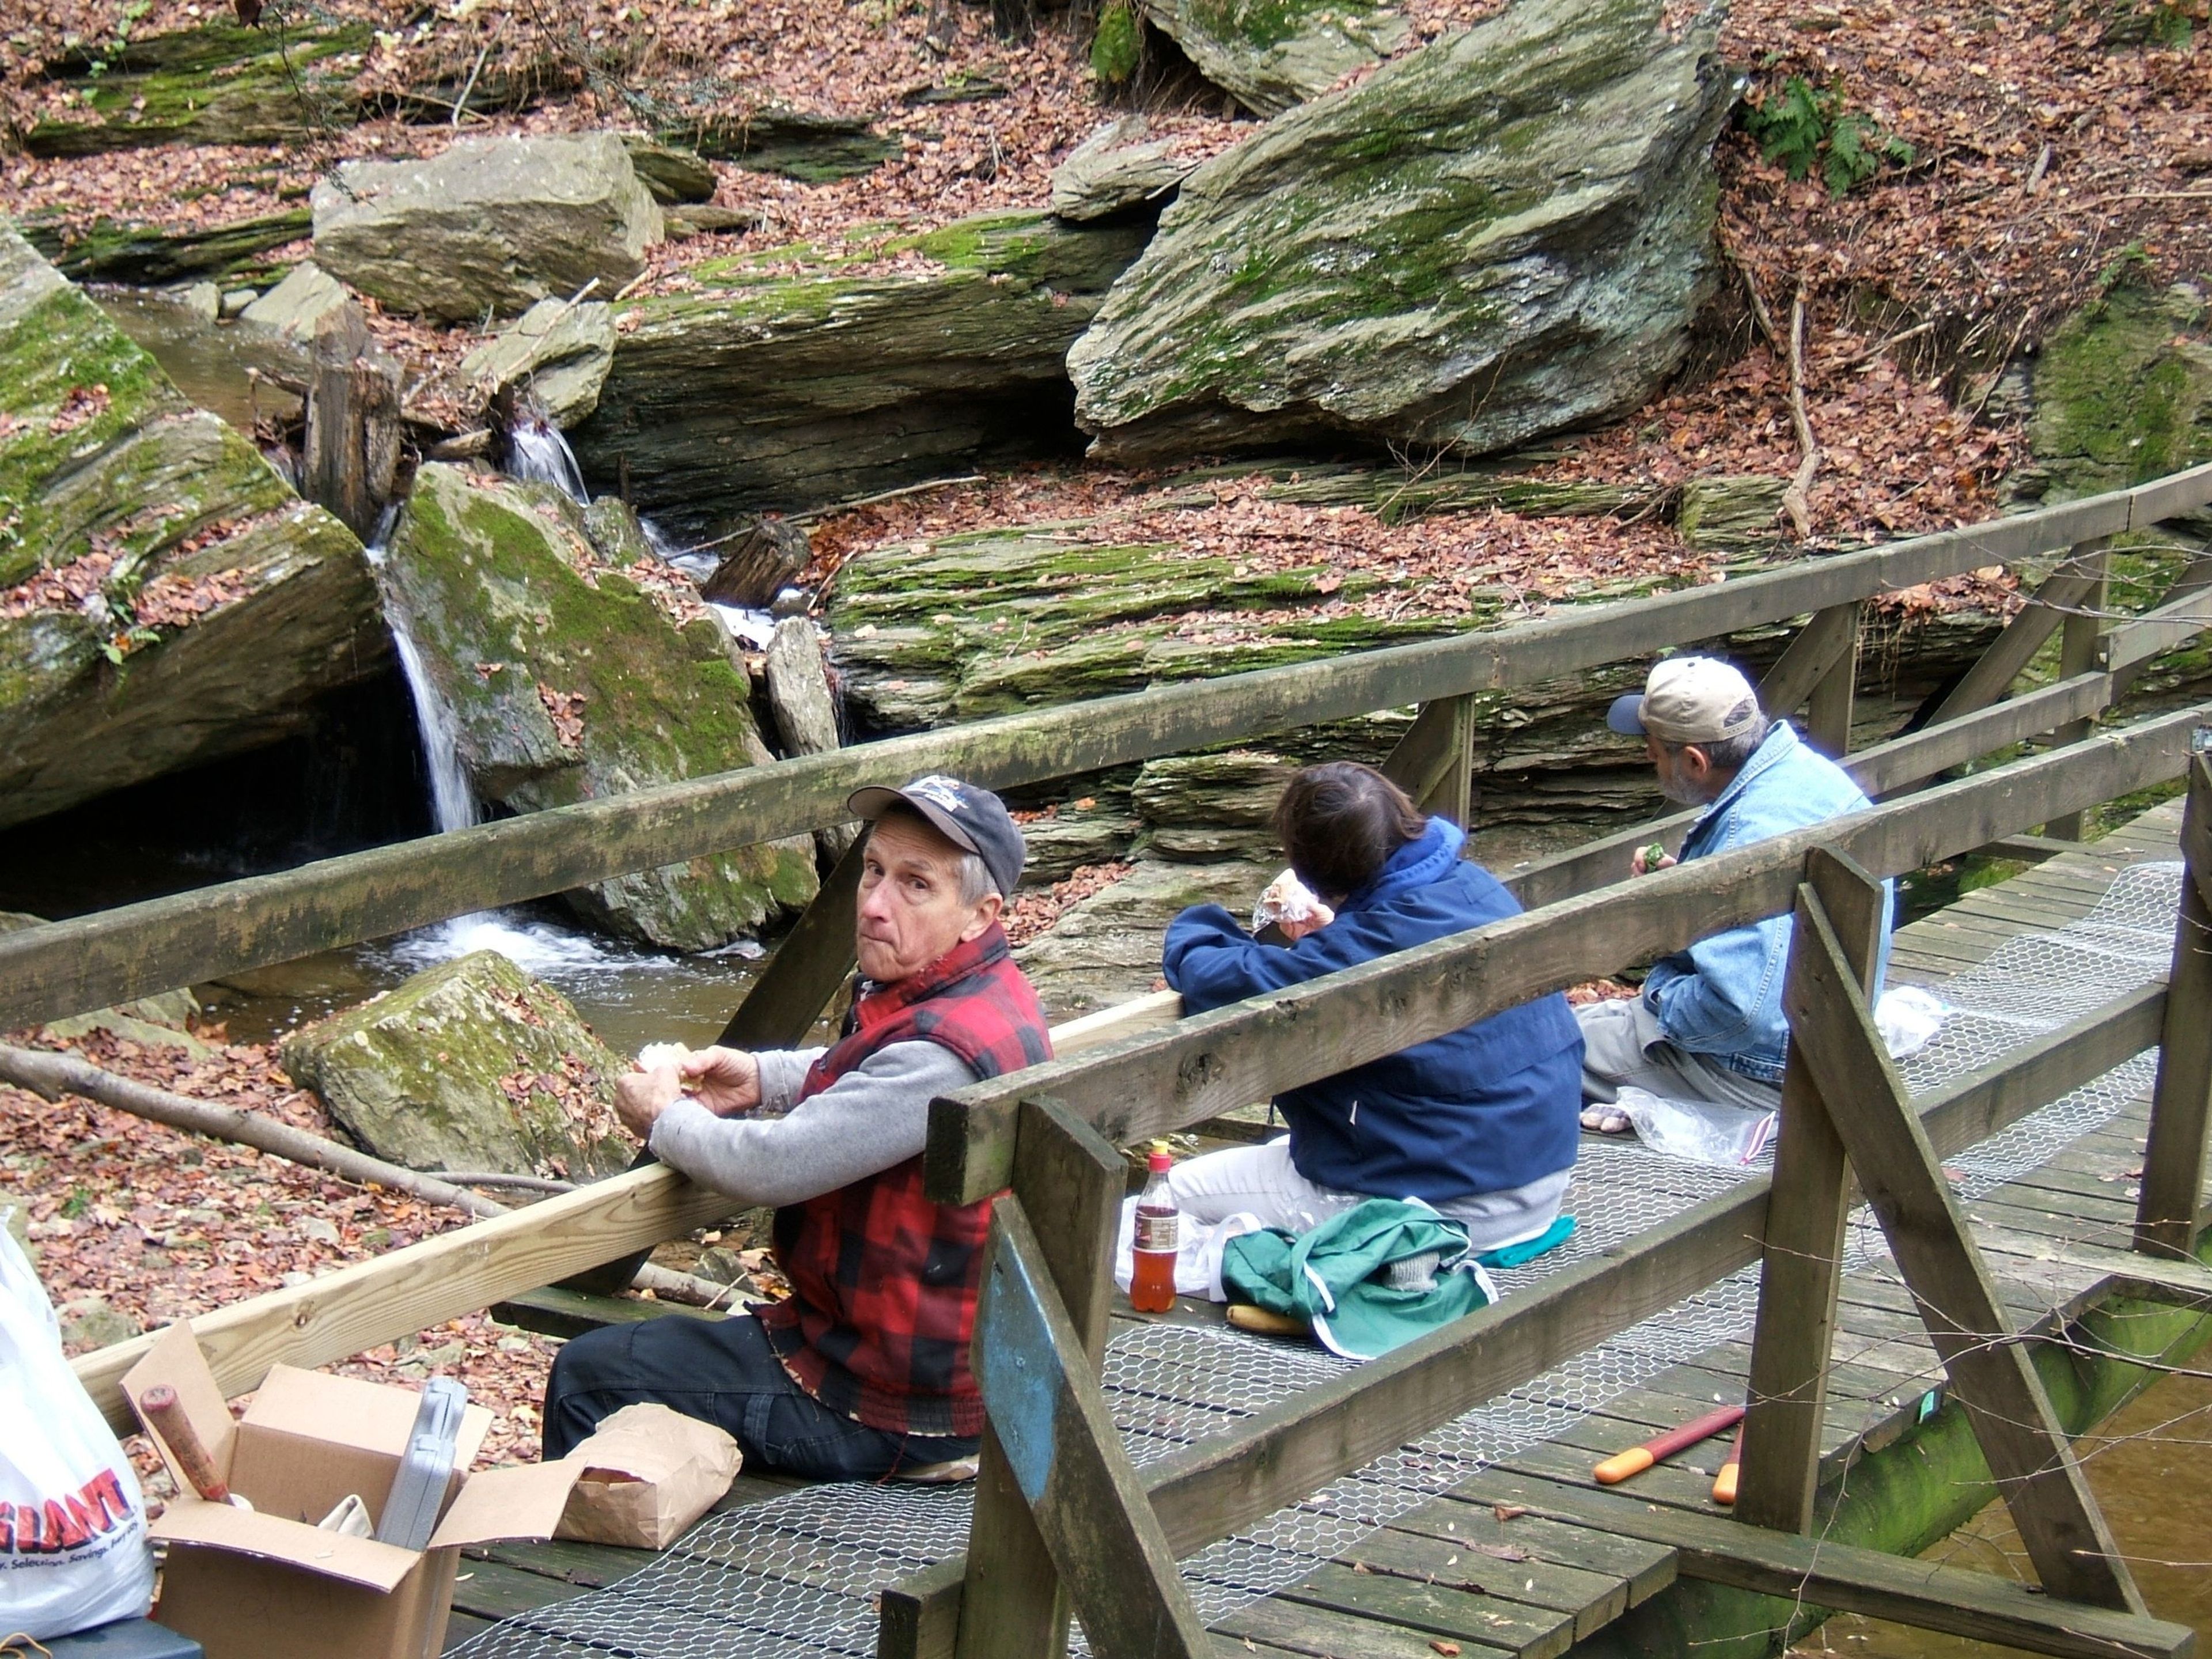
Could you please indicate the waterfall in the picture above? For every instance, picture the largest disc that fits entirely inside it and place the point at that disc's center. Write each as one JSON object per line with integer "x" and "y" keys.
{"x": 536, "y": 452}
{"x": 452, "y": 803}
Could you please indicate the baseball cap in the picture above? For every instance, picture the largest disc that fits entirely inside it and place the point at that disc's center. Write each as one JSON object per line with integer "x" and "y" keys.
{"x": 1688, "y": 700}
{"x": 964, "y": 814}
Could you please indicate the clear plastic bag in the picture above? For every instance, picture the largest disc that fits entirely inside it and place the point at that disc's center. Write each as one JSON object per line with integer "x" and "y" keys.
{"x": 1705, "y": 1131}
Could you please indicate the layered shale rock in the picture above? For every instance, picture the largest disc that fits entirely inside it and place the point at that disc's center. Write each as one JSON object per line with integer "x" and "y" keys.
{"x": 784, "y": 382}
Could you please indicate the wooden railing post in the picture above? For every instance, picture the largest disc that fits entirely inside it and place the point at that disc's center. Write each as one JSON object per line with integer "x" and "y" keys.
{"x": 1434, "y": 762}
{"x": 1828, "y": 715}
{"x": 1070, "y": 1182}
{"x": 1821, "y": 663}
{"x": 2080, "y": 648}
{"x": 1802, "y": 1266}
{"x": 2181, "y": 1103}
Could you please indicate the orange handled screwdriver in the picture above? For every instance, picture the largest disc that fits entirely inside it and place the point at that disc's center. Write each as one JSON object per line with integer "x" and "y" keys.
{"x": 164, "y": 1412}
{"x": 1724, "y": 1482}
{"x": 1637, "y": 1459}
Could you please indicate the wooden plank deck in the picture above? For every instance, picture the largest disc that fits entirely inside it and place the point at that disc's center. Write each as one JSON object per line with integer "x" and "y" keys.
{"x": 1450, "y": 1573}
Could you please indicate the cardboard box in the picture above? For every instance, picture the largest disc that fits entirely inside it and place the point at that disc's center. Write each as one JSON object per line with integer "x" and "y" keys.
{"x": 267, "y": 1583}
{"x": 645, "y": 1475}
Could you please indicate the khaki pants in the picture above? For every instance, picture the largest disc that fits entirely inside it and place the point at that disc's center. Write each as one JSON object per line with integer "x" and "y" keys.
{"x": 1622, "y": 1046}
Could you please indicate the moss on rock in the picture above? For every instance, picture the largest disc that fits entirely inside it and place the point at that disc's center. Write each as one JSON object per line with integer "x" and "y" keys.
{"x": 2124, "y": 393}
{"x": 217, "y": 85}
{"x": 1270, "y": 55}
{"x": 1502, "y": 234}
{"x": 168, "y": 600}
{"x": 568, "y": 683}
{"x": 472, "y": 1065}
{"x": 774, "y": 391}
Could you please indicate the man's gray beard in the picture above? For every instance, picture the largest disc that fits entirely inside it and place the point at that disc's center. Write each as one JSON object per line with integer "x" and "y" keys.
{"x": 1680, "y": 794}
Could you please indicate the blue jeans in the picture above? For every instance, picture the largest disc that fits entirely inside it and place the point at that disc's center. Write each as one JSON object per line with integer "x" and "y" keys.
{"x": 723, "y": 1372}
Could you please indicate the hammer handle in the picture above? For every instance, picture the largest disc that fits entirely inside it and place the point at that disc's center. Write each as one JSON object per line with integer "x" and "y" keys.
{"x": 166, "y": 1414}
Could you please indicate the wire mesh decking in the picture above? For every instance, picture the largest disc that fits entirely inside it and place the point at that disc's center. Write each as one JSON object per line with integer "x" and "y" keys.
{"x": 796, "y": 1575}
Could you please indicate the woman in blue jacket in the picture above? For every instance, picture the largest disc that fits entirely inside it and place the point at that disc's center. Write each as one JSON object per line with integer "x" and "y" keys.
{"x": 1482, "y": 1123}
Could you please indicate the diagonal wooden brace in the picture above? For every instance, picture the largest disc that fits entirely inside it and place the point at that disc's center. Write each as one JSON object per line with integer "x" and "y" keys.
{"x": 1059, "y": 1438}
{"x": 1992, "y": 1374}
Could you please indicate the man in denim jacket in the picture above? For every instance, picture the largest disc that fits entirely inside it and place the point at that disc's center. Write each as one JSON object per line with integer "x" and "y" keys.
{"x": 1709, "y": 1024}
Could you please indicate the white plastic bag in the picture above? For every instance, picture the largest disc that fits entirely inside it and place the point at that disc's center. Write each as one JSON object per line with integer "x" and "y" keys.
{"x": 73, "y": 1546}
{"x": 1706, "y": 1131}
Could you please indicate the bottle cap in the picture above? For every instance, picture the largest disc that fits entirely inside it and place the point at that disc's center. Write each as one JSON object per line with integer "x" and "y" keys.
{"x": 1161, "y": 1160}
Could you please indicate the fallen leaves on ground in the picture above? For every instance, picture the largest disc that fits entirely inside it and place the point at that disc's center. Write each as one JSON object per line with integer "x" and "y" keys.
{"x": 1036, "y": 909}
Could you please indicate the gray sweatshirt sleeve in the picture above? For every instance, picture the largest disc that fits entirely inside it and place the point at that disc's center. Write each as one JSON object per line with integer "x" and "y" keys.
{"x": 874, "y": 1116}
{"x": 781, "y": 1071}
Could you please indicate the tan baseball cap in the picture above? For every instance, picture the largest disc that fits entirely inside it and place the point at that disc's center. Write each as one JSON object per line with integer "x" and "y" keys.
{"x": 1688, "y": 700}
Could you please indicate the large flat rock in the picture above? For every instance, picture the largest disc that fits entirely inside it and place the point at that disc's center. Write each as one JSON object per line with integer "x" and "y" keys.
{"x": 493, "y": 223}
{"x": 784, "y": 384}
{"x": 568, "y": 682}
{"x": 165, "y": 599}
{"x": 1502, "y": 234}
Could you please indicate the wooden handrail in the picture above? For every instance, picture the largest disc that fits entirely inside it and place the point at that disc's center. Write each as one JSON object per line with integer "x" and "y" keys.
{"x": 1212, "y": 1489}
{"x": 66, "y": 968}
{"x": 1162, "y": 1081}
{"x": 455, "y": 1272}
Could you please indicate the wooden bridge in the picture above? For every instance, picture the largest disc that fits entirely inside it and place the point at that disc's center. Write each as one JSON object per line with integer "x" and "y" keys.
{"x": 1062, "y": 1519}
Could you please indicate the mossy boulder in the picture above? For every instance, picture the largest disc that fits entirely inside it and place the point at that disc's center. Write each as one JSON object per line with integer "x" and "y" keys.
{"x": 569, "y": 682}
{"x": 106, "y": 250}
{"x": 472, "y": 1065}
{"x": 492, "y": 224}
{"x": 1502, "y": 234}
{"x": 2123, "y": 393}
{"x": 773, "y": 390}
{"x": 219, "y": 84}
{"x": 1270, "y": 55}
{"x": 802, "y": 144}
{"x": 1121, "y": 167}
{"x": 165, "y": 599}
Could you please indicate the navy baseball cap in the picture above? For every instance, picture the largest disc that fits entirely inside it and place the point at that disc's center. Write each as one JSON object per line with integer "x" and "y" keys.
{"x": 964, "y": 815}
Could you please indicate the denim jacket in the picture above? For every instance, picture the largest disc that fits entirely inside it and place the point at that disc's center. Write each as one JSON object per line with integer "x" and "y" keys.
{"x": 1721, "y": 998}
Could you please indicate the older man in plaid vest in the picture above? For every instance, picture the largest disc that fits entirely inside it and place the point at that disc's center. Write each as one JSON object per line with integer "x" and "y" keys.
{"x": 863, "y": 1373}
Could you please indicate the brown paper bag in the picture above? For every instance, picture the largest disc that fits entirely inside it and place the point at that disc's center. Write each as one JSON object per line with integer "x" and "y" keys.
{"x": 647, "y": 1472}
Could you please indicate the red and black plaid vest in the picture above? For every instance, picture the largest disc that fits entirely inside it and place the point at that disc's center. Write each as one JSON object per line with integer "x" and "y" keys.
{"x": 883, "y": 1282}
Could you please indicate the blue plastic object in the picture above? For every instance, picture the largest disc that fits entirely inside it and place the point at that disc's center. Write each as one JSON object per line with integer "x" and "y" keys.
{"x": 126, "y": 1638}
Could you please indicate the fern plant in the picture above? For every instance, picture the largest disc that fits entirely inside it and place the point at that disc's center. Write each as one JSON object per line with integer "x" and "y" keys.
{"x": 1802, "y": 127}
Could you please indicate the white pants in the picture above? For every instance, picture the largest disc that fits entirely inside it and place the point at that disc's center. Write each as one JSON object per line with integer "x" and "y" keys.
{"x": 1262, "y": 1181}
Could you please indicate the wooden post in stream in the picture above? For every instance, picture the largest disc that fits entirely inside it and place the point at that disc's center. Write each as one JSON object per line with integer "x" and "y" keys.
{"x": 353, "y": 421}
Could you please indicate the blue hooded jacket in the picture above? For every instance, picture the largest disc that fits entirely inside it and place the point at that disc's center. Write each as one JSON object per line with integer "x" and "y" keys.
{"x": 1483, "y": 1110}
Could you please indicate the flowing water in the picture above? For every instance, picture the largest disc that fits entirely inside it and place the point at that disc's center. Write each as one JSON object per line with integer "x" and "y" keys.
{"x": 2147, "y": 1467}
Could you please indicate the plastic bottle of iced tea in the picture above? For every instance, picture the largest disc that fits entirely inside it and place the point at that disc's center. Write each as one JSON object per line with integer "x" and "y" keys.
{"x": 1159, "y": 1230}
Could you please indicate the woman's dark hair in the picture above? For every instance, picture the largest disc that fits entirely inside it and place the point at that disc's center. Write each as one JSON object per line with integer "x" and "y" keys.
{"x": 1340, "y": 823}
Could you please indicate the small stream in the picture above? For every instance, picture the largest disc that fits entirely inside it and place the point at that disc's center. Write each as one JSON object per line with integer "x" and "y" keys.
{"x": 2147, "y": 1467}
